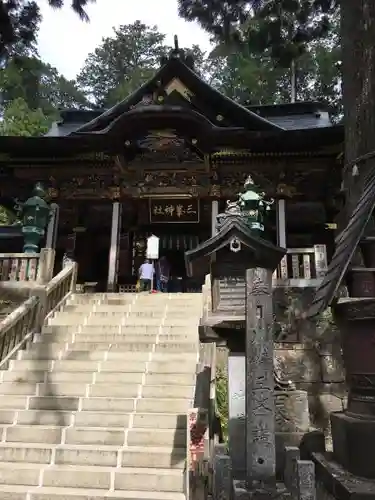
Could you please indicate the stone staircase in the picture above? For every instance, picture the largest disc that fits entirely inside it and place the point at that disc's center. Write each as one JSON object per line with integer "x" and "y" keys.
{"x": 96, "y": 408}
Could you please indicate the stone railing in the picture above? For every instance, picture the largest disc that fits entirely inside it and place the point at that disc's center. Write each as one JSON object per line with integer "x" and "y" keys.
{"x": 202, "y": 426}
{"x": 27, "y": 267}
{"x": 21, "y": 325}
{"x": 302, "y": 267}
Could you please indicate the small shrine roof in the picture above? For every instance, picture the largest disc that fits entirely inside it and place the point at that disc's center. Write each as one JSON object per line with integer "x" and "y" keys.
{"x": 346, "y": 244}
{"x": 266, "y": 254}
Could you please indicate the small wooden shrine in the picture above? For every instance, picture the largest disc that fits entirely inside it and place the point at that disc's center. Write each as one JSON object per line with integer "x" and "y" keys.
{"x": 239, "y": 244}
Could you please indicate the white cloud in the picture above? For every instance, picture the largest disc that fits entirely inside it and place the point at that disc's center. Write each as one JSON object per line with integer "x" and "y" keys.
{"x": 65, "y": 41}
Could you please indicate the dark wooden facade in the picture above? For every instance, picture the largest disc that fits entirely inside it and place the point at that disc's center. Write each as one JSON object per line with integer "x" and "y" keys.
{"x": 176, "y": 145}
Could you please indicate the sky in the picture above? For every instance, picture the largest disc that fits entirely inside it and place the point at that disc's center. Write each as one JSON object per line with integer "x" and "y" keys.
{"x": 65, "y": 41}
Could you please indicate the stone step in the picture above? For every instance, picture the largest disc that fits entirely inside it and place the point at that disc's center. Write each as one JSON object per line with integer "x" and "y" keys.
{"x": 174, "y": 366}
{"x": 103, "y": 436}
{"x": 101, "y": 455}
{"x": 78, "y": 377}
{"x": 163, "y": 351}
{"x": 76, "y": 476}
{"x": 92, "y": 419}
{"x": 53, "y": 343}
{"x": 91, "y": 299}
{"x": 95, "y": 390}
{"x": 88, "y": 308}
{"x": 157, "y": 437}
{"x": 100, "y": 378}
{"x": 120, "y": 329}
{"x": 164, "y": 391}
{"x": 77, "y": 366}
{"x": 131, "y": 321}
{"x": 159, "y": 405}
{"x": 112, "y": 340}
{"x": 16, "y": 492}
{"x": 65, "y": 403}
{"x": 122, "y": 314}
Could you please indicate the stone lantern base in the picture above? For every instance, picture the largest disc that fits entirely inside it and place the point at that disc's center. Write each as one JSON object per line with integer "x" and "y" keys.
{"x": 334, "y": 482}
{"x": 353, "y": 431}
{"x": 353, "y": 442}
{"x": 349, "y": 472}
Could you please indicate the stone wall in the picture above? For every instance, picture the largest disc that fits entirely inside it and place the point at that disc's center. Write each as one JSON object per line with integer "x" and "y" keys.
{"x": 309, "y": 353}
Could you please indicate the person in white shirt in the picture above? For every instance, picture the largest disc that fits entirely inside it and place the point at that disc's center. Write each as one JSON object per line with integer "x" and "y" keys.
{"x": 146, "y": 272}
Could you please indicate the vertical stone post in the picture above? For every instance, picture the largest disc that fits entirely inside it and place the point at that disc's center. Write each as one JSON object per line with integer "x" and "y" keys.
{"x": 53, "y": 225}
{"x": 260, "y": 403}
{"x": 222, "y": 474}
{"x": 306, "y": 489}
{"x": 45, "y": 265}
{"x": 214, "y": 214}
{"x": 114, "y": 248}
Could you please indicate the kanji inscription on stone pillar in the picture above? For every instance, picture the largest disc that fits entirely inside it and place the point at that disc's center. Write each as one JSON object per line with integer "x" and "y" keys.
{"x": 260, "y": 404}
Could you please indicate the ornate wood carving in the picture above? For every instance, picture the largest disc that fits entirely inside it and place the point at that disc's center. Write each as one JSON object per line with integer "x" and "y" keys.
{"x": 166, "y": 182}
{"x": 164, "y": 146}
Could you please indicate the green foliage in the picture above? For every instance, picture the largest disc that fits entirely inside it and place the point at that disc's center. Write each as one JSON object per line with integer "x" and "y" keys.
{"x": 281, "y": 29}
{"x": 20, "y": 120}
{"x": 125, "y": 61}
{"x": 39, "y": 85}
{"x": 122, "y": 61}
{"x": 222, "y": 408}
{"x": 19, "y": 22}
{"x": 257, "y": 40}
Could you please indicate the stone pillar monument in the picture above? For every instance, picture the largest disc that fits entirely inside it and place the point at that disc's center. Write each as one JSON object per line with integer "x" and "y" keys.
{"x": 260, "y": 399}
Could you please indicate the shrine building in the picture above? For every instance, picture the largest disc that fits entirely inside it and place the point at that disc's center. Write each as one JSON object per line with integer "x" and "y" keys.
{"x": 165, "y": 161}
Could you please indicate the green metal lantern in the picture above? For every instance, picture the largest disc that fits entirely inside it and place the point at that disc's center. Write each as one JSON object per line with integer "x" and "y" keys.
{"x": 35, "y": 215}
{"x": 254, "y": 206}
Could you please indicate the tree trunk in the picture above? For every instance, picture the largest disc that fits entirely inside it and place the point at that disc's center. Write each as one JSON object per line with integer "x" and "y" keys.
{"x": 358, "y": 65}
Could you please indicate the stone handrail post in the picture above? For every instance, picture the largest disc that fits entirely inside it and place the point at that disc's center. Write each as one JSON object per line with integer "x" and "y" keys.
{"x": 46, "y": 265}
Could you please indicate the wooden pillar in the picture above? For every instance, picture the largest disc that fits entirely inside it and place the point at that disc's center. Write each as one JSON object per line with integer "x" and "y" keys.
{"x": 281, "y": 223}
{"x": 281, "y": 237}
{"x": 53, "y": 225}
{"x": 260, "y": 402}
{"x": 114, "y": 247}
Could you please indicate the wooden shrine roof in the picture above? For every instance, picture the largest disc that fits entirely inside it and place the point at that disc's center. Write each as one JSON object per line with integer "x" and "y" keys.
{"x": 289, "y": 116}
{"x": 346, "y": 244}
{"x": 176, "y": 99}
{"x": 176, "y": 83}
{"x": 214, "y": 139}
{"x": 265, "y": 253}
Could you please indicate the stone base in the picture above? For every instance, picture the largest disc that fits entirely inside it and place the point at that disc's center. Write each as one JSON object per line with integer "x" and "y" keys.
{"x": 278, "y": 492}
{"x": 340, "y": 483}
{"x": 353, "y": 442}
{"x": 237, "y": 449}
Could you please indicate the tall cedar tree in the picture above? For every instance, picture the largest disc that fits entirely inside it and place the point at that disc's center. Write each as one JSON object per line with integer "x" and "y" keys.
{"x": 19, "y": 21}
{"x": 358, "y": 65}
{"x": 281, "y": 28}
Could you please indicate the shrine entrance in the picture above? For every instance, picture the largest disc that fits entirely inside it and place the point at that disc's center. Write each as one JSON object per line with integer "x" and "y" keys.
{"x": 108, "y": 240}
{"x": 174, "y": 241}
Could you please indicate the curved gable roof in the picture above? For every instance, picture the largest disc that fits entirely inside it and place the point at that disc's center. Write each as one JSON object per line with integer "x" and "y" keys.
{"x": 202, "y": 97}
